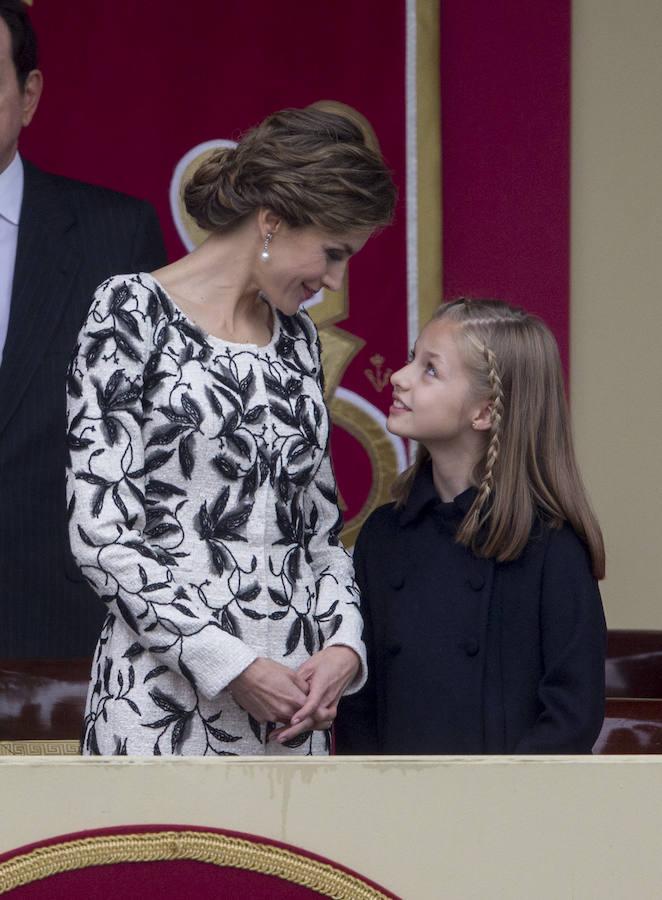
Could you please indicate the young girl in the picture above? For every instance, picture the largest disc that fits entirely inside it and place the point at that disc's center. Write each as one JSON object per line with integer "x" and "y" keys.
{"x": 483, "y": 619}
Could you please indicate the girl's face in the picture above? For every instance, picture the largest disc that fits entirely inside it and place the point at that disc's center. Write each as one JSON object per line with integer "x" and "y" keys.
{"x": 302, "y": 261}
{"x": 433, "y": 402}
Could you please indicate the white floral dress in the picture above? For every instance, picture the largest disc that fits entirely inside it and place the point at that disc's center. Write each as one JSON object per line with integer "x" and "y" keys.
{"x": 202, "y": 510}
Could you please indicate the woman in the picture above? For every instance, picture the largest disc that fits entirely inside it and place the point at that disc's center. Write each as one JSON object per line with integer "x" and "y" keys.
{"x": 202, "y": 499}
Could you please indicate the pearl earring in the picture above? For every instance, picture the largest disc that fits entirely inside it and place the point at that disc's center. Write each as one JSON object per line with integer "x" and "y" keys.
{"x": 265, "y": 250}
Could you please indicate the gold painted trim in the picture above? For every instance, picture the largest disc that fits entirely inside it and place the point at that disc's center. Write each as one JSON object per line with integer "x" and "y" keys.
{"x": 339, "y": 347}
{"x": 200, "y": 846}
{"x": 39, "y": 748}
{"x": 382, "y": 455}
{"x": 428, "y": 115}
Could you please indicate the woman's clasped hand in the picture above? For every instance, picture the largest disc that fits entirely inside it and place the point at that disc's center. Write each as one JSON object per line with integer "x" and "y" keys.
{"x": 298, "y": 700}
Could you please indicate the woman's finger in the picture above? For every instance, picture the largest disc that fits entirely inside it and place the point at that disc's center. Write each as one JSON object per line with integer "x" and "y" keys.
{"x": 281, "y": 735}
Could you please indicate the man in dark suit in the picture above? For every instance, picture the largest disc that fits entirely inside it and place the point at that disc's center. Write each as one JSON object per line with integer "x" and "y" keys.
{"x": 58, "y": 240}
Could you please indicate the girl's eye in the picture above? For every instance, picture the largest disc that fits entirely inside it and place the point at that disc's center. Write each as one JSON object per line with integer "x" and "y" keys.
{"x": 430, "y": 369}
{"x": 411, "y": 355}
{"x": 334, "y": 255}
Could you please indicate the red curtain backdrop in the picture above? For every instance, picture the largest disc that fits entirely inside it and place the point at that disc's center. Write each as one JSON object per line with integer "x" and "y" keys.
{"x": 131, "y": 87}
{"x": 505, "y": 89}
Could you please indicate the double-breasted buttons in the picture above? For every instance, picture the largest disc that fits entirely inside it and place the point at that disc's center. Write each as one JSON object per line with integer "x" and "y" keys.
{"x": 470, "y": 646}
{"x": 395, "y": 577}
{"x": 476, "y": 581}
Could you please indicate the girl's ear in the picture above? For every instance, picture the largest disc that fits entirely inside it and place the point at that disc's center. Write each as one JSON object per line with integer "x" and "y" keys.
{"x": 482, "y": 420}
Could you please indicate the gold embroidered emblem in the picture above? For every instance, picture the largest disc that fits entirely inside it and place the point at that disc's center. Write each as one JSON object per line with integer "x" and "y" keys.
{"x": 378, "y": 378}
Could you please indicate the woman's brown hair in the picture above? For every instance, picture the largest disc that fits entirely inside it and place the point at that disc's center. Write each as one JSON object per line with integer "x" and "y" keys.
{"x": 529, "y": 467}
{"x": 310, "y": 166}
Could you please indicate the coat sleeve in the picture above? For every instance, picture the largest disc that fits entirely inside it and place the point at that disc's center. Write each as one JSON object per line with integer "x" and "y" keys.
{"x": 148, "y": 250}
{"x": 338, "y": 614}
{"x": 573, "y": 638}
{"x": 118, "y": 552}
{"x": 356, "y": 723}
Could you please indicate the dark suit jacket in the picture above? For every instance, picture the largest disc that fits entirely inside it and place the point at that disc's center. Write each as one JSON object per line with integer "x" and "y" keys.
{"x": 71, "y": 237}
{"x": 467, "y": 655}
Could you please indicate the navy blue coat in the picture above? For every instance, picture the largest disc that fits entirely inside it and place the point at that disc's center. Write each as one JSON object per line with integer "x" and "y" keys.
{"x": 467, "y": 655}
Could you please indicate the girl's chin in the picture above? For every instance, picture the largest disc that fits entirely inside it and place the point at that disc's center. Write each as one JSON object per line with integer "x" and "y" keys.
{"x": 396, "y": 427}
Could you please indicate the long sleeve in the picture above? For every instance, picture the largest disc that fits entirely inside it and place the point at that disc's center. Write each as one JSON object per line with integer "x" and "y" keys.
{"x": 128, "y": 554}
{"x": 356, "y": 723}
{"x": 573, "y": 636}
{"x": 338, "y": 614}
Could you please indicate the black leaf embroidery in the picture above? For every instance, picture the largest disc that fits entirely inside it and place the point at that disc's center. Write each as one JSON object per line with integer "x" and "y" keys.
{"x": 278, "y": 597}
{"x": 163, "y": 489}
{"x": 223, "y": 736}
{"x": 298, "y": 741}
{"x": 282, "y": 412}
{"x": 127, "y": 615}
{"x": 293, "y": 637}
{"x": 167, "y": 435}
{"x": 255, "y": 727}
{"x": 134, "y": 651}
{"x": 226, "y": 467}
{"x": 154, "y": 673}
{"x": 308, "y": 637}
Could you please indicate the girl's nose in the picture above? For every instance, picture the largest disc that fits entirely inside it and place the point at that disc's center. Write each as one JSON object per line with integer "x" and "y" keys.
{"x": 398, "y": 379}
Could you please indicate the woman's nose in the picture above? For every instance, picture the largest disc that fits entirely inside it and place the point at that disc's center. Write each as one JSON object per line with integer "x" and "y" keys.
{"x": 333, "y": 277}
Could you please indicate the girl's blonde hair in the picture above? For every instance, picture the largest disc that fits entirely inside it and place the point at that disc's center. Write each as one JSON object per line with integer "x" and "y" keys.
{"x": 529, "y": 467}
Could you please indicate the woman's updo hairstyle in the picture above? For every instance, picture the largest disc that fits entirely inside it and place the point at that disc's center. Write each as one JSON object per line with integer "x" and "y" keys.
{"x": 309, "y": 166}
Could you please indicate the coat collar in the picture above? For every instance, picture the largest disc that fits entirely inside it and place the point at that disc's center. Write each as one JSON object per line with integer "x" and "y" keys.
{"x": 424, "y": 497}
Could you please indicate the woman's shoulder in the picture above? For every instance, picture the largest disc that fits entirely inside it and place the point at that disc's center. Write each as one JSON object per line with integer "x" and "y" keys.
{"x": 140, "y": 287}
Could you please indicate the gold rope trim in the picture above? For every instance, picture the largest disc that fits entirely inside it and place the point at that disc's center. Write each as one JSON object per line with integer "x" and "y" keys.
{"x": 384, "y": 461}
{"x": 200, "y": 846}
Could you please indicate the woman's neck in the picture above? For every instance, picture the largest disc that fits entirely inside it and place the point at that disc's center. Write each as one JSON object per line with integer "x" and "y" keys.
{"x": 215, "y": 285}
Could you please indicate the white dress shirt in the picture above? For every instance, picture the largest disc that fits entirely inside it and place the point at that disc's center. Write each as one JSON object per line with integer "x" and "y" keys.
{"x": 11, "y": 196}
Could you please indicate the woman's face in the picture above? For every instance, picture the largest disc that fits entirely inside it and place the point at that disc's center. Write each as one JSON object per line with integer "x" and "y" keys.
{"x": 433, "y": 401}
{"x": 302, "y": 261}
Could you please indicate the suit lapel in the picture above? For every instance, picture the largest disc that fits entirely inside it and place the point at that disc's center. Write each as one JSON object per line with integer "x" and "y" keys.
{"x": 44, "y": 272}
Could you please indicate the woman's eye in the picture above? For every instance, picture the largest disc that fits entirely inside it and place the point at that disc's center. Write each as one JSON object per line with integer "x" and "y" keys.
{"x": 334, "y": 255}
{"x": 430, "y": 369}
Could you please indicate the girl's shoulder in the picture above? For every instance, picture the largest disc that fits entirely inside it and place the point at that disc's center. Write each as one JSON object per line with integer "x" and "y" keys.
{"x": 381, "y": 524}
{"x": 560, "y": 550}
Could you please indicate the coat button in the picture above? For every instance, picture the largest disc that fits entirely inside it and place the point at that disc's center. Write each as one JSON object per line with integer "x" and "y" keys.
{"x": 396, "y": 580}
{"x": 470, "y": 647}
{"x": 476, "y": 582}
